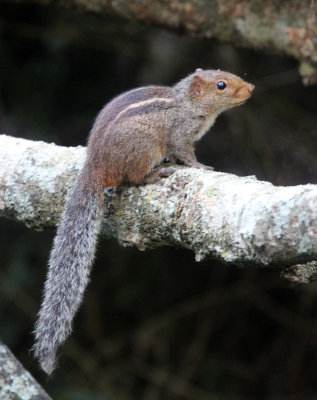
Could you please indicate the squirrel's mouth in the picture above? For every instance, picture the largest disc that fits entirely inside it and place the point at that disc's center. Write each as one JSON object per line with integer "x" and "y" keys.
{"x": 238, "y": 103}
{"x": 245, "y": 93}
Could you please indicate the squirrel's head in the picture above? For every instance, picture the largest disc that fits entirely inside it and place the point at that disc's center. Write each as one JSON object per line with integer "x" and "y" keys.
{"x": 216, "y": 91}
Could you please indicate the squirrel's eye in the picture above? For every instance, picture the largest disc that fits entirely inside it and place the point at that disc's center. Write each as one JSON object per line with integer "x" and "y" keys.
{"x": 221, "y": 85}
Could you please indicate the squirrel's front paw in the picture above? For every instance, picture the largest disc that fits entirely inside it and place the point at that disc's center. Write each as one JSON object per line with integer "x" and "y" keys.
{"x": 156, "y": 175}
{"x": 202, "y": 166}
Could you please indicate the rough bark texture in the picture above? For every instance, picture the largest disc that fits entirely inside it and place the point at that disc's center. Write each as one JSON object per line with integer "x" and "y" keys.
{"x": 301, "y": 273}
{"x": 234, "y": 219}
{"x": 288, "y": 27}
{"x": 15, "y": 382}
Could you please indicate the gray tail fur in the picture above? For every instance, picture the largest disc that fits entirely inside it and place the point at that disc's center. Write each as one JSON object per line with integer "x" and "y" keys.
{"x": 68, "y": 275}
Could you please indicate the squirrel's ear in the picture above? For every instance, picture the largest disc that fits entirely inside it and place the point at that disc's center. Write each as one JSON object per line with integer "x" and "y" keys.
{"x": 196, "y": 86}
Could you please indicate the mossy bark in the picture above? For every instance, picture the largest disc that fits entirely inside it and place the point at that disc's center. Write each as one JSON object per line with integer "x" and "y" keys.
{"x": 237, "y": 220}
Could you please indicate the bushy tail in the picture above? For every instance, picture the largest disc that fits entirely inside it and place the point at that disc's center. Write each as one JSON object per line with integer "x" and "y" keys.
{"x": 69, "y": 267}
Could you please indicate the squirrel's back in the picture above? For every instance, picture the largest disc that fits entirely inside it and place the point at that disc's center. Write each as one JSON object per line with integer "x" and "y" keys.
{"x": 129, "y": 136}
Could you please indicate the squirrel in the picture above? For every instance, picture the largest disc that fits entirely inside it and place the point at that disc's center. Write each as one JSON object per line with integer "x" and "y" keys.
{"x": 132, "y": 135}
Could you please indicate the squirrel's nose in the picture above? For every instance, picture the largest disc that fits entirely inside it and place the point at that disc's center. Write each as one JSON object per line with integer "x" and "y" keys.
{"x": 250, "y": 87}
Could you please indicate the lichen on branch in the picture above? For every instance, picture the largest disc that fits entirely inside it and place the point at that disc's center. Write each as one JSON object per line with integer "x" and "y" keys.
{"x": 15, "y": 382}
{"x": 233, "y": 219}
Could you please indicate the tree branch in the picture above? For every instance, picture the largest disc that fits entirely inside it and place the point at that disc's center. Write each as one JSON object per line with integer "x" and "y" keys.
{"x": 288, "y": 27}
{"x": 15, "y": 382}
{"x": 233, "y": 219}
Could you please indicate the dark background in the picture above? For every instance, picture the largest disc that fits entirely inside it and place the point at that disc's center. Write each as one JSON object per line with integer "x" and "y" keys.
{"x": 158, "y": 325}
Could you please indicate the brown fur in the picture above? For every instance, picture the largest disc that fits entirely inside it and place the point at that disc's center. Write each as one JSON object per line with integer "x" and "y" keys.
{"x": 131, "y": 136}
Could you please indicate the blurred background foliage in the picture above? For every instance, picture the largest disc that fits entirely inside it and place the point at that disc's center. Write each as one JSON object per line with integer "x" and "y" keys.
{"x": 158, "y": 325}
